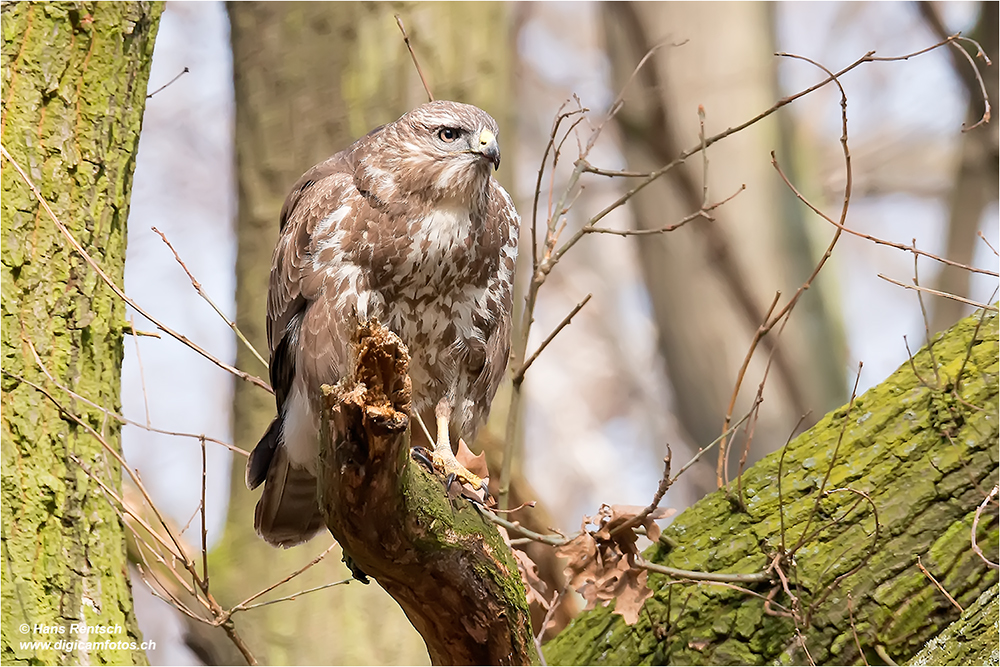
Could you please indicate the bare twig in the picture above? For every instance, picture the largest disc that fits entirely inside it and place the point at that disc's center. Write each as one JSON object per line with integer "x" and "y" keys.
{"x": 923, "y": 314}
{"x": 756, "y": 577}
{"x": 201, "y": 292}
{"x": 293, "y": 596}
{"x": 946, "y": 295}
{"x": 975, "y": 527}
{"x": 882, "y": 653}
{"x": 979, "y": 77}
{"x": 972, "y": 344}
{"x": 937, "y": 583}
{"x": 243, "y": 605}
{"x": 125, "y": 420}
{"x": 833, "y": 459}
{"x": 204, "y": 530}
{"x": 854, "y": 630}
{"x": 758, "y": 335}
{"x": 988, "y": 245}
{"x": 661, "y": 490}
{"x": 413, "y": 56}
{"x": 169, "y": 83}
{"x": 781, "y": 500}
{"x": 519, "y": 374}
{"x": 138, "y": 358}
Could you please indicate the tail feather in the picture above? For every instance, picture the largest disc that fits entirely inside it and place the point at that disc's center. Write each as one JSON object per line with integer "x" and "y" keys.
{"x": 260, "y": 458}
{"x": 288, "y": 511}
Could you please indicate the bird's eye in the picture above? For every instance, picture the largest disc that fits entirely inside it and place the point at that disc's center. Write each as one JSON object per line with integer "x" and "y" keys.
{"x": 448, "y": 134}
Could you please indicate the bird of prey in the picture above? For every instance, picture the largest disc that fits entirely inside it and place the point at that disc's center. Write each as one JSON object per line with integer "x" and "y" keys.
{"x": 407, "y": 226}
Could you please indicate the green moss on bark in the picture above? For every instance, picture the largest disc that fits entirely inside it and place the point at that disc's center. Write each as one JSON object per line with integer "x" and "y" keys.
{"x": 74, "y": 80}
{"x": 921, "y": 446}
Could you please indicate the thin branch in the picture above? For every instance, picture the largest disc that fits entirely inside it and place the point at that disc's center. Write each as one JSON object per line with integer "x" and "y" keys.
{"x": 758, "y": 335}
{"x": 946, "y": 295}
{"x": 661, "y": 490}
{"x": 833, "y": 459}
{"x": 979, "y": 77}
{"x": 142, "y": 374}
{"x": 937, "y": 583}
{"x": 988, "y": 245}
{"x": 854, "y": 630}
{"x": 413, "y": 56}
{"x": 882, "y": 653}
{"x": 294, "y": 596}
{"x": 168, "y": 83}
{"x": 703, "y": 450}
{"x": 519, "y": 374}
{"x": 923, "y": 314}
{"x": 121, "y": 295}
{"x": 756, "y": 577}
{"x": 125, "y": 420}
{"x": 201, "y": 292}
{"x": 243, "y": 605}
{"x": 204, "y": 530}
{"x": 972, "y": 343}
{"x": 975, "y": 527}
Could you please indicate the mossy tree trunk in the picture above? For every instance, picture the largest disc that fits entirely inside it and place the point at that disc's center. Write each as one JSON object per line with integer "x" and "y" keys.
{"x": 441, "y": 560}
{"x": 74, "y": 81}
{"x": 310, "y": 78}
{"x": 921, "y": 446}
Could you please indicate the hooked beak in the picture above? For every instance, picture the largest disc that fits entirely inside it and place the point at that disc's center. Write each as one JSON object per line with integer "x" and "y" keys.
{"x": 487, "y": 146}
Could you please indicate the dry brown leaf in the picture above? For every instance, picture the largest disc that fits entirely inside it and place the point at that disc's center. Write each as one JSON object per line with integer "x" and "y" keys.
{"x": 477, "y": 466}
{"x": 634, "y": 593}
{"x": 602, "y": 561}
{"x": 474, "y": 464}
{"x": 534, "y": 587}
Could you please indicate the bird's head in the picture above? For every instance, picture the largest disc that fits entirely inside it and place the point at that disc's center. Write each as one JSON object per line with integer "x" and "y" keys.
{"x": 444, "y": 149}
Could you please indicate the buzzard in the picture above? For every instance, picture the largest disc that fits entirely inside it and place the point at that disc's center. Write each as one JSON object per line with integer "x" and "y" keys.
{"x": 409, "y": 227}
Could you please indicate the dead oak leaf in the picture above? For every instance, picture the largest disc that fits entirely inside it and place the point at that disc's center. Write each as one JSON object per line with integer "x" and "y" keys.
{"x": 534, "y": 587}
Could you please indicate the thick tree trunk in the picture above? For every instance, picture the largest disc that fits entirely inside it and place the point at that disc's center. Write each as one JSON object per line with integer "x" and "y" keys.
{"x": 74, "y": 80}
{"x": 918, "y": 449}
{"x": 310, "y": 78}
{"x": 445, "y": 565}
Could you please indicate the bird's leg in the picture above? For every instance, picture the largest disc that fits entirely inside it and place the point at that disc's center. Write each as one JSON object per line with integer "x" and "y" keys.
{"x": 444, "y": 458}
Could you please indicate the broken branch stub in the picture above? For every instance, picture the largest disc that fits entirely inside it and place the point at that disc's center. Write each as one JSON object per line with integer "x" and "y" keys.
{"x": 445, "y": 565}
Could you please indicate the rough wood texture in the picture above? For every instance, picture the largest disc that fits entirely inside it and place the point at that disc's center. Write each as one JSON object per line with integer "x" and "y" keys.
{"x": 971, "y": 640}
{"x": 74, "y": 90}
{"x": 922, "y": 450}
{"x": 440, "y": 560}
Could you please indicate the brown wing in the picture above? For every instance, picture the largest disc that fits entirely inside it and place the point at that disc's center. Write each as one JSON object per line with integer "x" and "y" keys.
{"x": 500, "y": 303}
{"x": 321, "y": 191}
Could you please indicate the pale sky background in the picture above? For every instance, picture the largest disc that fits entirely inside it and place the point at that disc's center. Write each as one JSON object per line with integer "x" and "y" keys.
{"x": 184, "y": 187}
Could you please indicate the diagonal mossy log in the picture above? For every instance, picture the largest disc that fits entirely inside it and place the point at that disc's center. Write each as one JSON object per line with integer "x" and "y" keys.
{"x": 973, "y": 639}
{"x": 920, "y": 450}
{"x": 446, "y": 566}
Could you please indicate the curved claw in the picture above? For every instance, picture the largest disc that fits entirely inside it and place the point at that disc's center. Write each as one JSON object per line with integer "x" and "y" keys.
{"x": 422, "y": 456}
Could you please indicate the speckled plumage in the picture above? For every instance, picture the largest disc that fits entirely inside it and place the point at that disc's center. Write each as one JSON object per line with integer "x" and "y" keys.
{"x": 412, "y": 230}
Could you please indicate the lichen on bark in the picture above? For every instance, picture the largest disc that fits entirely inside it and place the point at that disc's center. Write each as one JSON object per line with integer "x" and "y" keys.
{"x": 921, "y": 445}
{"x": 74, "y": 79}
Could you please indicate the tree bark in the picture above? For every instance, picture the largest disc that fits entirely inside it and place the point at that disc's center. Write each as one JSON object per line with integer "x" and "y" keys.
{"x": 74, "y": 78}
{"x": 921, "y": 446}
{"x": 310, "y": 78}
{"x": 971, "y": 640}
{"x": 446, "y": 566}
